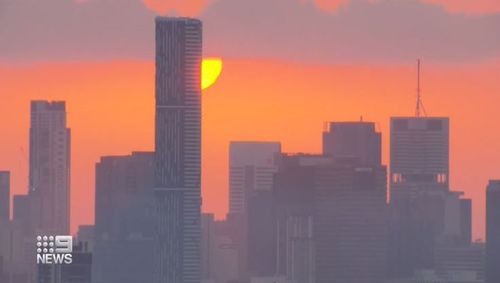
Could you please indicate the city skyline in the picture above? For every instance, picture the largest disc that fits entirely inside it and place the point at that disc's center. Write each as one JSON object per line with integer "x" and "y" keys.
{"x": 358, "y": 89}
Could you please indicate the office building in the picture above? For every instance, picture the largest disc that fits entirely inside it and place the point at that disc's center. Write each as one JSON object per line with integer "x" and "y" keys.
{"x": 339, "y": 213}
{"x": 49, "y": 168}
{"x": 419, "y": 155}
{"x": 493, "y": 232}
{"x": 357, "y": 142}
{"x": 79, "y": 271}
{"x": 251, "y": 168}
{"x": 178, "y": 150}
{"x": 124, "y": 223}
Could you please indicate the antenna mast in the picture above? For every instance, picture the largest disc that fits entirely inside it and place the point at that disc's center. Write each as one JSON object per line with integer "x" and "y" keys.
{"x": 419, "y": 98}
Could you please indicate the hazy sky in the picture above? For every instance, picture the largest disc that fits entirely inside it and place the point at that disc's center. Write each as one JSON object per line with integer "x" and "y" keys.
{"x": 290, "y": 65}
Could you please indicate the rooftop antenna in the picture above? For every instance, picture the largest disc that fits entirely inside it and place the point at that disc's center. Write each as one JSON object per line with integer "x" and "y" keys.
{"x": 420, "y": 106}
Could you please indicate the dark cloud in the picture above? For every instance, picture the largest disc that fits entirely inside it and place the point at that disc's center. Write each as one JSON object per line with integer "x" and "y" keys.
{"x": 360, "y": 30}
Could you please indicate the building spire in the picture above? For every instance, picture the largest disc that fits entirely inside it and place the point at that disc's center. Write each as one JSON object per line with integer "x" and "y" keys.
{"x": 420, "y": 106}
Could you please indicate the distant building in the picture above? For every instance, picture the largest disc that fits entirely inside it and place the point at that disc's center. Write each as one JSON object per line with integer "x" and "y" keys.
{"x": 208, "y": 238}
{"x": 452, "y": 260}
{"x": 347, "y": 206}
{"x": 493, "y": 232}
{"x": 419, "y": 182}
{"x": 49, "y": 174}
{"x": 178, "y": 150}
{"x": 357, "y": 142}
{"x": 124, "y": 223}
{"x": 251, "y": 168}
{"x": 419, "y": 155}
{"x": 4, "y": 196}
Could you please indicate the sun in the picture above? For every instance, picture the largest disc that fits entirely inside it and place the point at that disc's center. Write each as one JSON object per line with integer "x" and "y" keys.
{"x": 211, "y": 69}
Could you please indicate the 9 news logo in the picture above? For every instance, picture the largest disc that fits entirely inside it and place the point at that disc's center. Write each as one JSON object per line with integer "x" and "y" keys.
{"x": 54, "y": 249}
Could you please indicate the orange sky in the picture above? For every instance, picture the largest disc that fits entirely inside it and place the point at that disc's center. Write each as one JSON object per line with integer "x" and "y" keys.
{"x": 110, "y": 110}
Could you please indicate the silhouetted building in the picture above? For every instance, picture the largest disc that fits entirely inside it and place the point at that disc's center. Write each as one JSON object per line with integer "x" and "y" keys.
{"x": 124, "y": 223}
{"x": 453, "y": 261}
{"x": 178, "y": 150}
{"x": 419, "y": 155}
{"x": 493, "y": 232}
{"x": 419, "y": 180}
{"x": 207, "y": 246}
{"x": 353, "y": 141}
{"x": 4, "y": 196}
{"x": 49, "y": 174}
{"x": 347, "y": 207}
{"x": 251, "y": 168}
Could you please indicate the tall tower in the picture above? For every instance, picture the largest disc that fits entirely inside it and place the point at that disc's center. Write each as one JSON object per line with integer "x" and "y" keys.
{"x": 493, "y": 232}
{"x": 419, "y": 155}
{"x": 178, "y": 149}
{"x": 49, "y": 174}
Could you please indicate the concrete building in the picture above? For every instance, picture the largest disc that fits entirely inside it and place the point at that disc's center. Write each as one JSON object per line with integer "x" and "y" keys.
{"x": 251, "y": 168}
{"x": 347, "y": 205}
{"x": 178, "y": 150}
{"x": 49, "y": 168}
{"x": 493, "y": 232}
{"x": 124, "y": 223}
{"x": 79, "y": 271}
{"x": 357, "y": 142}
{"x": 419, "y": 155}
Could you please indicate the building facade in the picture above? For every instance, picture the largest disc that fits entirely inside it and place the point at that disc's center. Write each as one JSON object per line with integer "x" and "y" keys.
{"x": 49, "y": 168}
{"x": 178, "y": 150}
{"x": 356, "y": 142}
{"x": 4, "y": 196}
{"x": 124, "y": 224}
{"x": 493, "y": 232}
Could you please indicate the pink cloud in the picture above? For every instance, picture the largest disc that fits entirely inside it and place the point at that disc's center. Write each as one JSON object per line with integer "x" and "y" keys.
{"x": 181, "y": 7}
{"x": 468, "y": 6}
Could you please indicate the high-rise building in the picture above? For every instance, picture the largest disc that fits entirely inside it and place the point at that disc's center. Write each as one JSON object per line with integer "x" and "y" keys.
{"x": 419, "y": 155}
{"x": 493, "y": 232}
{"x": 334, "y": 212}
{"x": 4, "y": 196}
{"x": 251, "y": 168}
{"x": 178, "y": 149}
{"x": 49, "y": 174}
{"x": 124, "y": 224}
{"x": 419, "y": 181}
{"x": 357, "y": 142}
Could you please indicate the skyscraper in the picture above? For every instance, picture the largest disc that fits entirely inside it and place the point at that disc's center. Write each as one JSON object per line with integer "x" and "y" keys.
{"x": 493, "y": 232}
{"x": 419, "y": 155}
{"x": 4, "y": 196}
{"x": 124, "y": 205}
{"x": 251, "y": 170}
{"x": 332, "y": 220}
{"x": 354, "y": 141}
{"x": 178, "y": 149}
{"x": 49, "y": 174}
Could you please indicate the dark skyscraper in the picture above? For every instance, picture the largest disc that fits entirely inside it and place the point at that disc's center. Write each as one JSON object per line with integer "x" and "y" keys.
{"x": 353, "y": 141}
{"x": 493, "y": 232}
{"x": 49, "y": 176}
{"x": 124, "y": 223}
{"x": 331, "y": 220}
{"x": 178, "y": 149}
{"x": 4, "y": 196}
{"x": 419, "y": 155}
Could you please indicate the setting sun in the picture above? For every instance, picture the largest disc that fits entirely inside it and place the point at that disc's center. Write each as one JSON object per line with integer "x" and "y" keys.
{"x": 211, "y": 69}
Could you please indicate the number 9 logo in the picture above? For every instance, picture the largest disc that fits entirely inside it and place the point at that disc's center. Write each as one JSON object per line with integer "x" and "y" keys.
{"x": 64, "y": 244}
